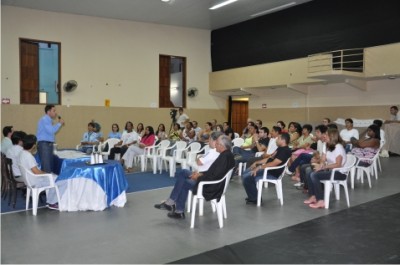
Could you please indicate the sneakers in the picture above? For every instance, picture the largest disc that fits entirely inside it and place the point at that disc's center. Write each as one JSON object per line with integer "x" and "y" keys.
{"x": 298, "y": 184}
{"x": 287, "y": 172}
{"x": 53, "y": 206}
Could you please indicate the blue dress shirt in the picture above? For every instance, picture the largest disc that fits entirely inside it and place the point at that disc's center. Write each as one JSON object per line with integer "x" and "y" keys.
{"x": 46, "y": 130}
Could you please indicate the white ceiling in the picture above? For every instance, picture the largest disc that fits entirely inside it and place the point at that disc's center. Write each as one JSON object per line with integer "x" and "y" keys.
{"x": 185, "y": 13}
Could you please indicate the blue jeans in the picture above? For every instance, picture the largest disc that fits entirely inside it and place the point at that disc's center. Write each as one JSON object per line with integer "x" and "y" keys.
{"x": 181, "y": 188}
{"x": 45, "y": 151}
{"x": 302, "y": 159}
{"x": 314, "y": 184}
{"x": 250, "y": 183}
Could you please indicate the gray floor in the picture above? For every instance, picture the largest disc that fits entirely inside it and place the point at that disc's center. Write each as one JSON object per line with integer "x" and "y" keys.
{"x": 139, "y": 233}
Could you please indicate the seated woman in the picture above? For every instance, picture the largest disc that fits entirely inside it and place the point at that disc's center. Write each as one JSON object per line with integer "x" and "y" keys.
{"x": 160, "y": 133}
{"x": 89, "y": 139}
{"x": 140, "y": 129}
{"x": 175, "y": 133}
{"x": 367, "y": 147}
{"x": 188, "y": 134}
{"x": 205, "y": 133}
{"x": 114, "y": 132}
{"x": 282, "y": 125}
{"x": 294, "y": 131}
{"x": 335, "y": 158}
{"x": 148, "y": 139}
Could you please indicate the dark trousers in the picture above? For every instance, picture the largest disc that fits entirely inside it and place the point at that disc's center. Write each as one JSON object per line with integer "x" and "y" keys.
{"x": 117, "y": 150}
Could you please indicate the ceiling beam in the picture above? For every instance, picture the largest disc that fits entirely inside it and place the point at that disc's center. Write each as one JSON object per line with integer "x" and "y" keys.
{"x": 302, "y": 89}
{"x": 357, "y": 83}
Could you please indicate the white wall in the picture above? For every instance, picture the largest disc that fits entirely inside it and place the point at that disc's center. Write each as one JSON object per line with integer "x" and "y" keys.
{"x": 110, "y": 59}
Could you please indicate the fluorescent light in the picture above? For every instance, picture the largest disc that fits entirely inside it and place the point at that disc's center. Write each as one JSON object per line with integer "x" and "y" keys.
{"x": 273, "y": 9}
{"x": 227, "y": 2}
{"x": 165, "y": 0}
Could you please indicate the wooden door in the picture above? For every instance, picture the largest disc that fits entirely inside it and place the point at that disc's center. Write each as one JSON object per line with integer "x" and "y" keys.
{"x": 29, "y": 60}
{"x": 165, "y": 79}
{"x": 239, "y": 115}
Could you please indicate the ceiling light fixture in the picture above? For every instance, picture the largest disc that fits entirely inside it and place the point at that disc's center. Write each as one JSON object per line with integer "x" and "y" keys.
{"x": 273, "y": 9}
{"x": 227, "y": 2}
{"x": 165, "y": 0}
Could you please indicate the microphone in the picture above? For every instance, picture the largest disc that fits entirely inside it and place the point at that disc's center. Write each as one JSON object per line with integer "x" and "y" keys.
{"x": 59, "y": 118}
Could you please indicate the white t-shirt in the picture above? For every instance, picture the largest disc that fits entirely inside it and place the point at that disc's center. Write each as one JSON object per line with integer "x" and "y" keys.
{"x": 13, "y": 153}
{"x": 208, "y": 159}
{"x": 395, "y": 117}
{"x": 339, "y": 151}
{"x": 347, "y": 134}
{"x": 271, "y": 146}
{"x": 181, "y": 120}
{"x": 128, "y": 138}
{"x": 321, "y": 147}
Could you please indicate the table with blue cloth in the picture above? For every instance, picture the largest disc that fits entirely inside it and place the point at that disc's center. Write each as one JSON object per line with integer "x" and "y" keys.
{"x": 91, "y": 187}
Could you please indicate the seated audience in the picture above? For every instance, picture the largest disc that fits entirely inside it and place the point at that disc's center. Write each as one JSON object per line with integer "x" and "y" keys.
{"x": 174, "y": 135}
{"x": 258, "y": 123}
{"x": 271, "y": 148}
{"x": 6, "y": 142}
{"x": 305, "y": 140}
{"x": 13, "y": 153}
{"x": 186, "y": 180}
{"x": 256, "y": 171}
{"x": 188, "y": 134}
{"x": 304, "y": 160}
{"x": 140, "y": 129}
{"x": 335, "y": 158}
{"x": 213, "y": 125}
{"x": 161, "y": 134}
{"x": 347, "y": 133}
{"x": 219, "y": 128}
{"x": 27, "y": 160}
{"x": 89, "y": 139}
{"x": 205, "y": 133}
{"x": 129, "y": 137}
{"x": 326, "y": 121}
{"x": 97, "y": 130}
{"x": 367, "y": 147}
{"x": 246, "y": 130}
{"x": 148, "y": 139}
{"x": 228, "y": 130}
{"x": 196, "y": 128}
{"x": 114, "y": 132}
{"x": 281, "y": 125}
{"x": 245, "y": 150}
{"x": 294, "y": 132}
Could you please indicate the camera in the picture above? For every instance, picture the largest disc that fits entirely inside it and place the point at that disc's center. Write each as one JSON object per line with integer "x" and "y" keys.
{"x": 172, "y": 113}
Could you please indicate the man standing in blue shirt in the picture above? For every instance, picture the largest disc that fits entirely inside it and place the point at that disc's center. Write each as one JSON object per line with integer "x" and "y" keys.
{"x": 46, "y": 136}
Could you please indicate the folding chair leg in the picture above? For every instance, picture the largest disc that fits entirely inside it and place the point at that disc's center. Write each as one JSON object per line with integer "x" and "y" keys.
{"x": 327, "y": 193}
{"x": 194, "y": 205}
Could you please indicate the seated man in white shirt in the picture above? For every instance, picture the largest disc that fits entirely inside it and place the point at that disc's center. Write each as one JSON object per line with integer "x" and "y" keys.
{"x": 349, "y": 132}
{"x": 27, "y": 160}
{"x": 203, "y": 163}
{"x": 13, "y": 153}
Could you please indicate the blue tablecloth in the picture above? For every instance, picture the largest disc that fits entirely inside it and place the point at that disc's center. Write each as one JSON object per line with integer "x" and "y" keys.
{"x": 109, "y": 176}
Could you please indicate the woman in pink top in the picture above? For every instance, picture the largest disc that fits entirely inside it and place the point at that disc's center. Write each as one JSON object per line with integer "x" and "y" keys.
{"x": 148, "y": 139}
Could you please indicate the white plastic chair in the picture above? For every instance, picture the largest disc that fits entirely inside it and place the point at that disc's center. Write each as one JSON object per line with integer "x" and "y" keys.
{"x": 242, "y": 165}
{"x": 177, "y": 154}
{"x": 31, "y": 180}
{"x": 189, "y": 155}
{"x": 372, "y": 169}
{"x": 150, "y": 153}
{"x": 236, "y": 135}
{"x": 277, "y": 182}
{"x": 111, "y": 142}
{"x": 350, "y": 162}
{"x": 192, "y": 163}
{"x": 237, "y": 142}
{"x": 220, "y": 206}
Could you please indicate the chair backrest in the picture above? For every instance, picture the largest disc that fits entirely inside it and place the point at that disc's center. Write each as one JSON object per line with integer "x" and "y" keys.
{"x": 162, "y": 149}
{"x": 25, "y": 173}
{"x": 9, "y": 171}
{"x": 180, "y": 146}
{"x": 227, "y": 178}
{"x": 350, "y": 162}
{"x": 236, "y": 135}
{"x": 277, "y": 167}
{"x": 237, "y": 142}
{"x": 195, "y": 147}
{"x": 4, "y": 173}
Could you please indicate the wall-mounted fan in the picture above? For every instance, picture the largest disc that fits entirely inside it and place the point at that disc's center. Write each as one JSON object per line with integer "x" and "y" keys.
{"x": 192, "y": 92}
{"x": 70, "y": 86}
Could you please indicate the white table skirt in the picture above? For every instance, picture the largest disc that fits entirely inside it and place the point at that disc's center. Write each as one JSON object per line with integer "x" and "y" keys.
{"x": 83, "y": 194}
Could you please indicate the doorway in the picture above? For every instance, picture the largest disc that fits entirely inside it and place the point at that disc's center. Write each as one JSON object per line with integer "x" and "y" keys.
{"x": 239, "y": 115}
{"x": 39, "y": 72}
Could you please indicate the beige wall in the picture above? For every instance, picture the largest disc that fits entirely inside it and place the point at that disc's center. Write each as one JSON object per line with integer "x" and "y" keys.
{"x": 110, "y": 59}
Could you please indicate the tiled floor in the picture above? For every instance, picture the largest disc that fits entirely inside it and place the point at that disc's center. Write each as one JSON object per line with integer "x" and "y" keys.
{"x": 139, "y": 233}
